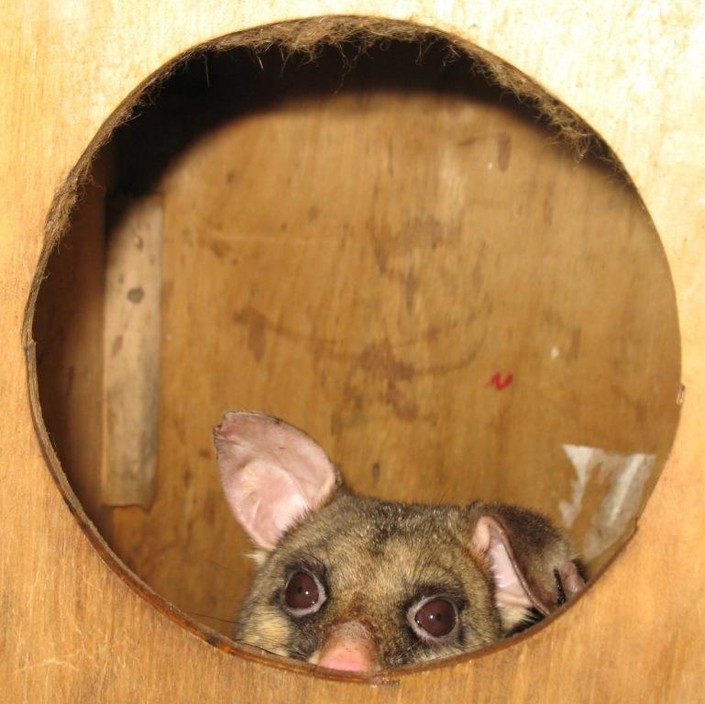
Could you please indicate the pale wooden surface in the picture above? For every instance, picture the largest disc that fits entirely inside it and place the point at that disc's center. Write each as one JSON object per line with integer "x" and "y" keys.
{"x": 131, "y": 346}
{"x": 74, "y": 632}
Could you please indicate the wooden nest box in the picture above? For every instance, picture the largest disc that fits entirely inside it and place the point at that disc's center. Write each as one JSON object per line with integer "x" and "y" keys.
{"x": 461, "y": 252}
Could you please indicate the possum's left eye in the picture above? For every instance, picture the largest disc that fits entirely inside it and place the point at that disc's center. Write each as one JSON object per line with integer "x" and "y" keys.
{"x": 434, "y": 618}
{"x": 304, "y": 594}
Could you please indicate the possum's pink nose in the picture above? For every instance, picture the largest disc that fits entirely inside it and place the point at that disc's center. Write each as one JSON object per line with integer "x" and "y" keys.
{"x": 350, "y": 647}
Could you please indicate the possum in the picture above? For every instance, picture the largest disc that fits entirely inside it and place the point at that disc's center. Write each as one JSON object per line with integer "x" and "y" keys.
{"x": 364, "y": 585}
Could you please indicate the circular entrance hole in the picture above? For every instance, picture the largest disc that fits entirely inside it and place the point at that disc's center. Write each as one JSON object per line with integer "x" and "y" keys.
{"x": 373, "y": 241}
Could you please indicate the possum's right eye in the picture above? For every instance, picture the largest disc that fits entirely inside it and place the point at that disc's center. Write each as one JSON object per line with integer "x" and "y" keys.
{"x": 304, "y": 594}
{"x": 434, "y": 619}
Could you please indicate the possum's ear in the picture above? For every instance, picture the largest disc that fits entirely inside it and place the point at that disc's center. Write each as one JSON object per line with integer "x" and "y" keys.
{"x": 273, "y": 474}
{"x": 532, "y": 562}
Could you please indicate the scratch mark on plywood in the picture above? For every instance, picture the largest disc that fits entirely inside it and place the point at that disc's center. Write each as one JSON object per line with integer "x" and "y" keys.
{"x": 48, "y": 662}
{"x": 377, "y": 356}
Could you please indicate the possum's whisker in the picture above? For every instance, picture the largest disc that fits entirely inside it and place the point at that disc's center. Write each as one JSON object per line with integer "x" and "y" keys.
{"x": 219, "y": 565}
{"x": 291, "y": 651}
{"x": 401, "y": 658}
{"x": 210, "y": 617}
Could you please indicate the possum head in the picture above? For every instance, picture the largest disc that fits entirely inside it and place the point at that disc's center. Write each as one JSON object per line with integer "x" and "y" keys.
{"x": 359, "y": 584}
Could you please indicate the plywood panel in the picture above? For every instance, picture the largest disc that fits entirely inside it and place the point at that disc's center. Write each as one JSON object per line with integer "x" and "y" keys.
{"x": 75, "y": 632}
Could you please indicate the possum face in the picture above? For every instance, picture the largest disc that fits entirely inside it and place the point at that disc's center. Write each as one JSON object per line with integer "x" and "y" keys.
{"x": 408, "y": 576}
{"x": 354, "y": 583}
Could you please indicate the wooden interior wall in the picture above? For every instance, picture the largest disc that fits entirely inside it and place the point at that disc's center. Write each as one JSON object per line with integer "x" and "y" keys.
{"x": 73, "y": 630}
{"x": 358, "y": 246}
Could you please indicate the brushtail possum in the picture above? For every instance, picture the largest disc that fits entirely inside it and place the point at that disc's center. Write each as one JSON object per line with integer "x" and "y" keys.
{"x": 360, "y": 584}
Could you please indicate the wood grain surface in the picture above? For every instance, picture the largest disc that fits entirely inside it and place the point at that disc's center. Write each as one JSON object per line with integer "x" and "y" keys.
{"x": 299, "y": 277}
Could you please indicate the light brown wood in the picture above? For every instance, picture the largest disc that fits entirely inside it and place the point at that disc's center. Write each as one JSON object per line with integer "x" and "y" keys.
{"x": 73, "y": 630}
{"x": 132, "y": 330}
{"x": 70, "y": 311}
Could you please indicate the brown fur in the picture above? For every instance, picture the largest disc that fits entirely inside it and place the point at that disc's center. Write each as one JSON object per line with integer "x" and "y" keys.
{"x": 376, "y": 558}
{"x": 377, "y": 564}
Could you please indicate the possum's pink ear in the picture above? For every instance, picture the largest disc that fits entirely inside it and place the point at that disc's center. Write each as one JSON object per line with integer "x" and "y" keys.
{"x": 491, "y": 539}
{"x": 273, "y": 474}
{"x": 532, "y": 562}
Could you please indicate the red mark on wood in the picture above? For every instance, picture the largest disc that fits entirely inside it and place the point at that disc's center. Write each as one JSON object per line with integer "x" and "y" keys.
{"x": 499, "y": 383}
